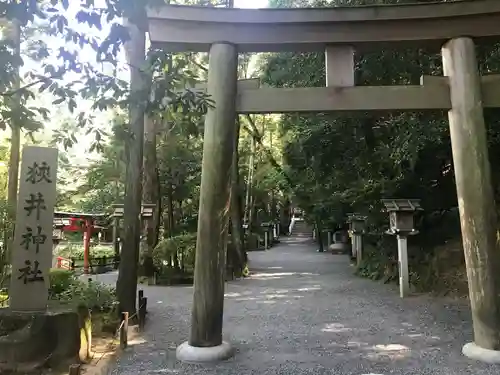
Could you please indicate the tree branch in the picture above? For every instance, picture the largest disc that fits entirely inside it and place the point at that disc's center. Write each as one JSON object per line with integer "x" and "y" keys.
{"x": 254, "y": 132}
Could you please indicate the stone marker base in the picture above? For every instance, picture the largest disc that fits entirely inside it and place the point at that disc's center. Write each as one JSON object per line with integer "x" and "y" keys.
{"x": 473, "y": 351}
{"x": 36, "y": 339}
{"x": 192, "y": 354}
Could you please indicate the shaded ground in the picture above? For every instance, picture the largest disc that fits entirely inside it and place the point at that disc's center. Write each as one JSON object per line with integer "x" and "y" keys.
{"x": 303, "y": 312}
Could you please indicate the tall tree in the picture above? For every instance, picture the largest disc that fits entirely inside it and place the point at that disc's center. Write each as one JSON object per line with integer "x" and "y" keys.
{"x": 13, "y": 36}
{"x": 126, "y": 285}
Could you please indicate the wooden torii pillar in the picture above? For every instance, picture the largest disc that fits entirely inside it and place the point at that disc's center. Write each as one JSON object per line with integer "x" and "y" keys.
{"x": 476, "y": 203}
{"x": 205, "y": 341}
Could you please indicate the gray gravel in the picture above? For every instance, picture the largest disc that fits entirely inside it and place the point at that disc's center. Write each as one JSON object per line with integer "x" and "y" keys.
{"x": 304, "y": 312}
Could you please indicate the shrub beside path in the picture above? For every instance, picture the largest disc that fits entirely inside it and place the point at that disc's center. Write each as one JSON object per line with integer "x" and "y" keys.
{"x": 303, "y": 312}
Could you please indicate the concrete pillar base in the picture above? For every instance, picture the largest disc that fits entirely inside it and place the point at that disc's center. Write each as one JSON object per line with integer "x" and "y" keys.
{"x": 192, "y": 354}
{"x": 473, "y": 351}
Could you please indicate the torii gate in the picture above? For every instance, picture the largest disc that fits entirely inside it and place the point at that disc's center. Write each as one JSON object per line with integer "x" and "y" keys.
{"x": 340, "y": 32}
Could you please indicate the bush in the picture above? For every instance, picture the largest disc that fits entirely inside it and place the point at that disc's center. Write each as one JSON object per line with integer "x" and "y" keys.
{"x": 76, "y": 251}
{"x": 60, "y": 281}
{"x": 183, "y": 247}
{"x": 251, "y": 241}
{"x": 65, "y": 287}
{"x": 379, "y": 260}
{"x": 93, "y": 295}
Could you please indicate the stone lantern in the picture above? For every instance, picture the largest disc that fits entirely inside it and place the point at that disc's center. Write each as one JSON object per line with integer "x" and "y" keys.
{"x": 147, "y": 212}
{"x": 402, "y": 224}
{"x": 268, "y": 234}
{"x": 357, "y": 224}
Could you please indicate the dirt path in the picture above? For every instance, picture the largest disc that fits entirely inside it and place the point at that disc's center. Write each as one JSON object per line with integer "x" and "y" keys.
{"x": 303, "y": 312}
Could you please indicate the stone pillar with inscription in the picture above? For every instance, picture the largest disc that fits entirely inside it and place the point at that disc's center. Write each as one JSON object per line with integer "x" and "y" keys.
{"x": 32, "y": 247}
{"x": 55, "y": 336}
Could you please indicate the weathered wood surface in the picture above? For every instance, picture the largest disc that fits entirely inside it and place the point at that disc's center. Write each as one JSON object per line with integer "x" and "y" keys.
{"x": 476, "y": 203}
{"x": 237, "y": 234}
{"x": 328, "y": 99}
{"x": 339, "y": 64}
{"x": 211, "y": 244}
{"x": 181, "y": 28}
{"x": 433, "y": 94}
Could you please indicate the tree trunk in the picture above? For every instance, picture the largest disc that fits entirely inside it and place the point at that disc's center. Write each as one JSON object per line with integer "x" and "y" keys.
{"x": 319, "y": 239}
{"x": 236, "y": 214}
{"x": 150, "y": 193}
{"x": 166, "y": 231}
{"x": 249, "y": 181}
{"x": 170, "y": 189}
{"x": 170, "y": 205}
{"x": 249, "y": 201}
{"x": 285, "y": 217}
{"x": 126, "y": 285}
{"x": 181, "y": 211}
{"x": 14, "y": 36}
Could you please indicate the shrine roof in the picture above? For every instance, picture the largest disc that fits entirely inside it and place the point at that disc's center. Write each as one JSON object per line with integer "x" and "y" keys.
{"x": 79, "y": 215}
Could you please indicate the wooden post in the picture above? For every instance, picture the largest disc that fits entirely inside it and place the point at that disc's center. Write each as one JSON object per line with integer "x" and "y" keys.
{"x": 74, "y": 369}
{"x": 140, "y": 296}
{"x": 329, "y": 240}
{"x": 141, "y": 311}
{"x": 404, "y": 279}
{"x": 87, "y": 234}
{"x": 476, "y": 203}
{"x": 211, "y": 244}
{"x": 124, "y": 331}
{"x": 266, "y": 239}
{"x": 339, "y": 65}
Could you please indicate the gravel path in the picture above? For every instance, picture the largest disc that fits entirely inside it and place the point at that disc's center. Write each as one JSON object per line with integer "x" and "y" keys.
{"x": 303, "y": 312}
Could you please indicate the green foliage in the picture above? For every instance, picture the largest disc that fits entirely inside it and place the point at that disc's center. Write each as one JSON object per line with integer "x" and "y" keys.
{"x": 65, "y": 287}
{"x": 182, "y": 246}
{"x": 378, "y": 265}
{"x": 6, "y": 227}
{"x": 76, "y": 251}
{"x": 252, "y": 241}
{"x": 93, "y": 295}
{"x": 60, "y": 281}
{"x": 51, "y": 21}
{"x": 340, "y": 164}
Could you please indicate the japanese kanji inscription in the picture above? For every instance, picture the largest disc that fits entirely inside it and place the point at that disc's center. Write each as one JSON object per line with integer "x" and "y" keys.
{"x": 32, "y": 249}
